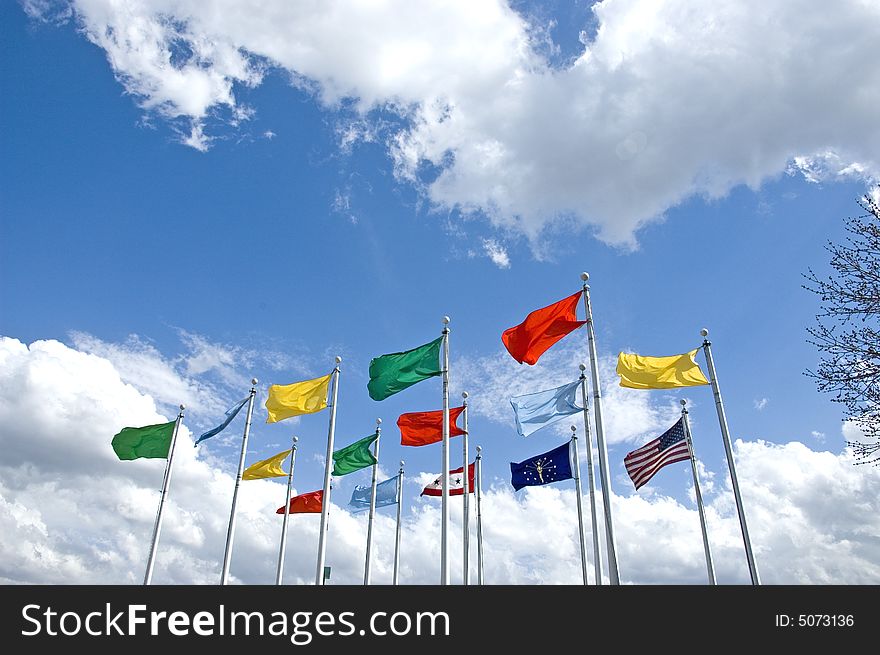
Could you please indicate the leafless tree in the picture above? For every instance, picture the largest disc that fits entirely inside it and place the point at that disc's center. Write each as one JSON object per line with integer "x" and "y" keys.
{"x": 847, "y": 330}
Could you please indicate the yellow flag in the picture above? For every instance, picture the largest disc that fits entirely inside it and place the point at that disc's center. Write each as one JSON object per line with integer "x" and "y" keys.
{"x": 268, "y": 468}
{"x": 298, "y": 398}
{"x": 639, "y": 372}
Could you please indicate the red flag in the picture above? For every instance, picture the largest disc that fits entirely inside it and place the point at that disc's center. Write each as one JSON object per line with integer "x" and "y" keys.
{"x": 542, "y": 328}
{"x": 309, "y": 503}
{"x": 456, "y": 483}
{"x": 422, "y": 428}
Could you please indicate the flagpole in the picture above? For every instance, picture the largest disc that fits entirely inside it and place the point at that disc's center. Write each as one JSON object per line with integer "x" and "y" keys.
{"x": 280, "y": 570}
{"x": 230, "y": 531}
{"x": 166, "y": 482}
{"x": 597, "y": 560}
{"x": 604, "y": 475}
{"x": 465, "y": 516}
{"x": 577, "y": 488}
{"x": 725, "y": 437}
{"x": 710, "y": 568}
{"x": 328, "y": 467}
{"x": 479, "y": 483}
{"x": 372, "y": 503}
{"x": 444, "y": 475}
{"x": 397, "y": 530}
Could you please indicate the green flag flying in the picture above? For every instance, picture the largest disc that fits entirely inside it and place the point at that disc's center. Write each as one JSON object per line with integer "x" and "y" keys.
{"x": 150, "y": 441}
{"x": 397, "y": 371}
{"x": 355, "y": 457}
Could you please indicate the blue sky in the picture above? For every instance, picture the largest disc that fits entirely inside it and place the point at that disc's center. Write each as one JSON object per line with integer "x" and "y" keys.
{"x": 209, "y": 241}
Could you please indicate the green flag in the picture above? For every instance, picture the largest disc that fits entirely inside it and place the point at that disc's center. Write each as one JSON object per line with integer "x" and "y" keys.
{"x": 355, "y": 457}
{"x": 150, "y": 441}
{"x": 397, "y": 371}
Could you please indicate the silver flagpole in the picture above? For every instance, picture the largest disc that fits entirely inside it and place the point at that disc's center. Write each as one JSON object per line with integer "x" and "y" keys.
{"x": 372, "y": 503}
{"x": 597, "y": 558}
{"x": 479, "y": 482}
{"x": 710, "y": 568}
{"x": 280, "y": 570}
{"x": 577, "y": 488}
{"x": 166, "y": 482}
{"x": 604, "y": 475}
{"x": 465, "y": 517}
{"x": 397, "y": 534}
{"x": 725, "y": 436}
{"x": 230, "y": 531}
{"x": 328, "y": 467}
{"x": 444, "y": 475}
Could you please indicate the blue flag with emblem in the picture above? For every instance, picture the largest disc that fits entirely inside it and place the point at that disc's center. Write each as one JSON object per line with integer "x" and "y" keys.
{"x": 230, "y": 414}
{"x": 552, "y": 466}
{"x": 535, "y": 410}
{"x": 386, "y": 494}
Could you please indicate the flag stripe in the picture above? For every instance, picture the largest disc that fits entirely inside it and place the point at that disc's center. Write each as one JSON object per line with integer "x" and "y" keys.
{"x": 670, "y": 456}
{"x": 670, "y": 447}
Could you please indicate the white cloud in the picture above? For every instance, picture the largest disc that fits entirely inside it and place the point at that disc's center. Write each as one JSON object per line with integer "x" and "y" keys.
{"x": 760, "y": 403}
{"x": 70, "y": 512}
{"x": 671, "y": 99}
{"x": 496, "y": 252}
{"x": 818, "y": 436}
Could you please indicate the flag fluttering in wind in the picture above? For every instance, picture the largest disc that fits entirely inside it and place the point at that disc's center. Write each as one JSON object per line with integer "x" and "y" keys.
{"x": 309, "y": 503}
{"x": 306, "y": 397}
{"x": 231, "y": 413}
{"x": 267, "y": 468}
{"x": 423, "y": 428}
{"x": 542, "y": 328}
{"x": 669, "y": 447}
{"x": 150, "y": 441}
{"x": 552, "y": 466}
{"x": 386, "y": 494}
{"x": 640, "y": 372}
{"x": 354, "y": 457}
{"x": 395, "y": 372}
{"x": 456, "y": 483}
{"x": 533, "y": 411}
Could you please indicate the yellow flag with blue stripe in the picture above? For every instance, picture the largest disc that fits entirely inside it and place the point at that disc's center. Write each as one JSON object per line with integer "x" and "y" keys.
{"x": 307, "y": 397}
{"x": 641, "y": 372}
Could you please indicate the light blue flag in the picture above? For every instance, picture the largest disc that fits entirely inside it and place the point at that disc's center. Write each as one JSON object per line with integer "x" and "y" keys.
{"x": 535, "y": 410}
{"x": 230, "y": 414}
{"x": 386, "y": 494}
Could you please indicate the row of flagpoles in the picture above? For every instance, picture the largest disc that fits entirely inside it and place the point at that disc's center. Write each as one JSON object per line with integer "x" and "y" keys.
{"x": 394, "y": 372}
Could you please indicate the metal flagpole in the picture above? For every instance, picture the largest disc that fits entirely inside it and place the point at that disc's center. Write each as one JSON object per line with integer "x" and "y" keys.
{"x": 465, "y": 516}
{"x": 725, "y": 436}
{"x": 230, "y": 531}
{"x": 328, "y": 467}
{"x": 597, "y": 560}
{"x": 397, "y": 534}
{"x": 479, "y": 482}
{"x": 604, "y": 475}
{"x": 444, "y": 475}
{"x": 280, "y": 570}
{"x": 166, "y": 482}
{"x": 372, "y": 503}
{"x": 577, "y": 488}
{"x": 710, "y": 568}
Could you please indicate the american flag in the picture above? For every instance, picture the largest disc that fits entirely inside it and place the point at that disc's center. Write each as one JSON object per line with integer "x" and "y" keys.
{"x": 668, "y": 448}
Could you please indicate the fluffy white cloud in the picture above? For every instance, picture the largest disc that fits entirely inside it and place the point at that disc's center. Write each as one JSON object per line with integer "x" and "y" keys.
{"x": 670, "y": 99}
{"x": 70, "y": 512}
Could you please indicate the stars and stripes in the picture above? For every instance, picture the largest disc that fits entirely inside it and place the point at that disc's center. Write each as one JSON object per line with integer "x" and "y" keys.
{"x": 669, "y": 447}
{"x": 456, "y": 483}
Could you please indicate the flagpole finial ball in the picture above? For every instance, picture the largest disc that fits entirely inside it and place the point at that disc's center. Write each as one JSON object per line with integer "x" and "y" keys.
{"x": 479, "y": 449}
{"x": 402, "y": 463}
{"x": 295, "y": 439}
{"x": 254, "y": 381}
{"x": 573, "y": 429}
{"x": 464, "y": 394}
{"x": 704, "y": 332}
{"x": 445, "y": 320}
{"x": 182, "y": 407}
{"x": 378, "y": 421}
{"x": 582, "y": 367}
{"x": 585, "y": 276}
{"x": 683, "y": 402}
{"x": 338, "y": 359}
